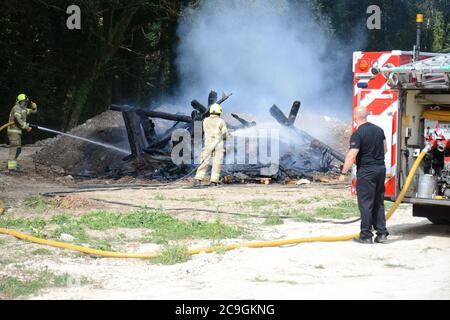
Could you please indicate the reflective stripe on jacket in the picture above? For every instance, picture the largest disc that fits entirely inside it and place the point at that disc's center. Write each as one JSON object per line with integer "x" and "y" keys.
{"x": 19, "y": 115}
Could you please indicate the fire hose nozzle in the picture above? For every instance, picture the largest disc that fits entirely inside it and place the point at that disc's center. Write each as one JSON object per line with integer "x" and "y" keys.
{"x": 34, "y": 126}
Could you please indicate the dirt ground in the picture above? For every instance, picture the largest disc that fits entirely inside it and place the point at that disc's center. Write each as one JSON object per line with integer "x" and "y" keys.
{"x": 414, "y": 264}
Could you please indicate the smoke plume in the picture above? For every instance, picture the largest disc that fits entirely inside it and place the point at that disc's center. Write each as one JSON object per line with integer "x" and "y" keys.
{"x": 265, "y": 52}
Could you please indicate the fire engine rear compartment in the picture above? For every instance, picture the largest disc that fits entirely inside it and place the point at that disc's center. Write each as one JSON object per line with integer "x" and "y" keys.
{"x": 430, "y": 191}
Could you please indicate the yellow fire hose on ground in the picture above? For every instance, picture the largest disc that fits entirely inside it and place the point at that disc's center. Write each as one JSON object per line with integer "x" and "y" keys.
{"x": 262, "y": 244}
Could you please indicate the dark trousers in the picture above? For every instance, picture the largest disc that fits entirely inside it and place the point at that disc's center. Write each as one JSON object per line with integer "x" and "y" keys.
{"x": 370, "y": 190}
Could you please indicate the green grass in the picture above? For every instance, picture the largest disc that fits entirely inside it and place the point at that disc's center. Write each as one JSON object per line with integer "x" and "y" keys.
{"x": 5, "y": 261}
{"x": 39, "y": 203}
{"x": 163, "y": 227}
{"x": 272, "y": 218}
{"x": 300, "y": 216}
{"x": 395, "y": 266}
{"x": 173, "y": 254}
{"x": 303, "y": 201}
{"x": 320, "y": 267}
{"x": 160, "y": 197}
{"x": 260, "y": 203}
{"x": 342, "y": 210}
{"x": 41, "y": 252}
{"x": 34, "y": 226}
{"x": 13, "y": 287}
{"x": 259, "y": 279}
{"x": 184, "y": 199}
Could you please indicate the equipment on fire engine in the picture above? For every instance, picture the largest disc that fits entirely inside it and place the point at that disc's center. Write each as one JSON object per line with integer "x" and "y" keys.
{"x": 435, "y": 180}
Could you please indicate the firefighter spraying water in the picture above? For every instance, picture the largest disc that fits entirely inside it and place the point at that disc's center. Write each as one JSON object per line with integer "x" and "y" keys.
{"x": 108, "y": 146}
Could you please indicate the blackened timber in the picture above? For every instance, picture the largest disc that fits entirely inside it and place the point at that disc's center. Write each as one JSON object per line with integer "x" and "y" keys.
{"x": 294, "y": 112}
{"x": 284, "y": 121}
{"x": 199, "y": 107}
{"x": 134, "y": 132}
{"x": 166, "y": 116}
{"x": 212, "y": 98}
{"x": 152, "y": 114}
{"x": 244, "y": 122}
{"x": 224, "y": 98}
{"x": 279, "y": 116}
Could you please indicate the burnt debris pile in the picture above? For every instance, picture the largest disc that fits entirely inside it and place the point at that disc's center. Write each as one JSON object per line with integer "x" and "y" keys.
{"x": 153, "y": 138}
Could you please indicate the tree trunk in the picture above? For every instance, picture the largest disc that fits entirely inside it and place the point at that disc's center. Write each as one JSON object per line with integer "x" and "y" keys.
{"x": 114, "y": 38}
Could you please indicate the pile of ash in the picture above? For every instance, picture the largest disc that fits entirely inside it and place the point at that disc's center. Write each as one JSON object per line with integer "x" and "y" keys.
{"x": 67, "y": 156}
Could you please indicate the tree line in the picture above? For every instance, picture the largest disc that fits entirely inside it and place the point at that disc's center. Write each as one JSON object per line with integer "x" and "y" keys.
{"x": 125, "y": 50}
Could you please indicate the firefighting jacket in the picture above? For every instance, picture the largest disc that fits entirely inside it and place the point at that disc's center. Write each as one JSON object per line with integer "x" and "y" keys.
{"x": 215, "y": 129}
{"x": 18, "y": 116}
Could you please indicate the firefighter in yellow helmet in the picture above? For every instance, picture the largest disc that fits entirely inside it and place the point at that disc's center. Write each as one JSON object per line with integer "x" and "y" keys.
{"x": 18, "y": 116}
{"x": 215, "y": 130}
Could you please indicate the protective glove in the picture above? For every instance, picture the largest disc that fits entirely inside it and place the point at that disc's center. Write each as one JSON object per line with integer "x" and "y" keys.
{"x": 33, "y": 106}
{"x": 28, "y": 129}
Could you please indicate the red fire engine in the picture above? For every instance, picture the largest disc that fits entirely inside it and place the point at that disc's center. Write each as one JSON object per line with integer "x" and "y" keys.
{"x": 408, "y": 95}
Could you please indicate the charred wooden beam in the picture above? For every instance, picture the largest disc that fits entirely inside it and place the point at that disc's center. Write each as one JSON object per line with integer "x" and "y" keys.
{"x": 152, "y": 114}
{"x": 224, "y": 98}
{"x": 166, "y": 116}
{"x": 294, "y": 112}
{"x": 245, "y": 123}
{"x": 212, "y": 98}
{"x": 284, "y": 121}
{"x": 134, "y": 131}
{"x": 199, "y": 107}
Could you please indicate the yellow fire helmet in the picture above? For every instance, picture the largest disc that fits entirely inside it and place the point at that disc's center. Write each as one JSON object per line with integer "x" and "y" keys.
{"x": 21, "y": 97}
{"x": 215, "y": 109}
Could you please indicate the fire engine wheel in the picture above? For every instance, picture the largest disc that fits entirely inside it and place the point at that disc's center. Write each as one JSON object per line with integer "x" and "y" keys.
{"x": 439, "y": 221}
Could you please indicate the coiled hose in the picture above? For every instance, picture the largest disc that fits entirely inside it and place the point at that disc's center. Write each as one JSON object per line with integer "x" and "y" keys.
{"x": 262, "y": 244}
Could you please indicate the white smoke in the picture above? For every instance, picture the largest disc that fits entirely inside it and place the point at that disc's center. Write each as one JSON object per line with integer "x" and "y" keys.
{"x": 265, "y": 52}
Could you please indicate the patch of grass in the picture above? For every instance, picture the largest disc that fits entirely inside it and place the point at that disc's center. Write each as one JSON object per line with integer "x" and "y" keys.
{"x": 190, "y": 199}
{"x": 219, "y": 247}
{"x": 34, "y": 225}
{"x": 259, "y": 203}
{"x": 342, "y": 210}
{"x": 300, "y": 216}
{"x": 304, "y": 201}
{"x": 164, "y": 226}
{"x": 41, "y": 252}
{"x": 292, "y": 282}
{"x": 319, "y": 266}
{"x": 173, "y": 254}
{"x": 314, "y": 199}
{"x": 272, "y": 218}
{"x": 70, "y": 225}
{"x": 160, "y": 197}
{"x": 39, "y": 203}
{"x": 395, "y": 265}
{"x": 13, "y": 287}
{"x": 2, "y": 242}
{"x": 5, "y": 261}
{"x": 259, "y": 279}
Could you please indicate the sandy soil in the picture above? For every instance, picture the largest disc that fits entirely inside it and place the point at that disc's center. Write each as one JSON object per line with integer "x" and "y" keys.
{"x": 414, "y": 264}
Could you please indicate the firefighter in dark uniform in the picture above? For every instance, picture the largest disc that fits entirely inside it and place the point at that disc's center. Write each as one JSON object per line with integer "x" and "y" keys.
{"x": 367, "y": 149}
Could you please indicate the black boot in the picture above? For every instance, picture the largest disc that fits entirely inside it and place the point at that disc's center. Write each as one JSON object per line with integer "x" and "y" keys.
{"x": 363, "y": 240}
{"x": 381, "y": 238}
